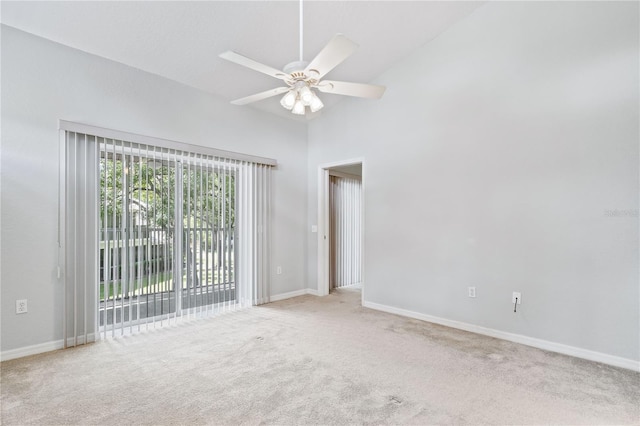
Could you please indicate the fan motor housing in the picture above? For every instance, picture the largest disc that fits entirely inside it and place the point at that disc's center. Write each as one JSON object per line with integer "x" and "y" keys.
{"x": 296, "y": 72}
{"x": 295, "y": 67}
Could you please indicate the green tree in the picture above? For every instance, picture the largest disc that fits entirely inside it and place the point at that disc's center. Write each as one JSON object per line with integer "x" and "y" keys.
{"x": 148, "y": 189}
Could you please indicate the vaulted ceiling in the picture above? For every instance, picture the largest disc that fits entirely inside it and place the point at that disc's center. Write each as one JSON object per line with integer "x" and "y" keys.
{"x": 182, "y": 40}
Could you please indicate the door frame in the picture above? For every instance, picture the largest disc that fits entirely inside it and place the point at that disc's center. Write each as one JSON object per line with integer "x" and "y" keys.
{"x": 324, "y": 172}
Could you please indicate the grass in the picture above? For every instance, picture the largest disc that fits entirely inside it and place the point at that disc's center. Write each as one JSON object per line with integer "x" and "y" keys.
{"x": 158, "y": 282}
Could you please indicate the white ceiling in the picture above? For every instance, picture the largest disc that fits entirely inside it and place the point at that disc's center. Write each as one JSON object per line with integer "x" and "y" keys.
{"x": 181, "y": 40}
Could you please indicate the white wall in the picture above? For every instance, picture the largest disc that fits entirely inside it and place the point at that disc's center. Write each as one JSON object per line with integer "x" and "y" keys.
{"x": 492, "y": 161}
{"x": 43, "y": 82}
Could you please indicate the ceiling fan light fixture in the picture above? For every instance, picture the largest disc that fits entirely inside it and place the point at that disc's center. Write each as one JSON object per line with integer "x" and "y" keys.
{"x": 306, "y": 95}
{"x": 288, "y": 100}
{"x": 298, "y": 107}
{"x": 316, "y": 104}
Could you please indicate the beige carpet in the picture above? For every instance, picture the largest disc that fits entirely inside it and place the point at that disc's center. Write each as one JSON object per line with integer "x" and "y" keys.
{"x": 313, "y": 360}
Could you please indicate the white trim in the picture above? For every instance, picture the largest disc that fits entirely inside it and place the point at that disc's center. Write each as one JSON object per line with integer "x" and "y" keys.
{"x": 288, "y": 295}
{"x": 340, "y": 163}
{"x": 512, "y": 337}
{"x": 31, "y": 350}
{"x": 323, "y": 231}
{"x": 42, "y": 348}
{"x": 159, "y": 142}
{"x": 295, "y": 293}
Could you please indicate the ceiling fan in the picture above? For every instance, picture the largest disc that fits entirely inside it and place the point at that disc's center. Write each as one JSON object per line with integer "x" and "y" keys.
{"x": 301, "y": 78}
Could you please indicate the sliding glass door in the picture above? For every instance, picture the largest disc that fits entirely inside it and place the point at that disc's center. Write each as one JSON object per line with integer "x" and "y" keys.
{"x": 167, "y": 235}
{"x": 152, "y": 231}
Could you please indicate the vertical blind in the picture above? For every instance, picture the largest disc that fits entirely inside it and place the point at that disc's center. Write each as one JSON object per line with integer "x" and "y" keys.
{"x": 152, "y": 235}
{"x": 78, "y": 237}
{"x": 345, "y": 229}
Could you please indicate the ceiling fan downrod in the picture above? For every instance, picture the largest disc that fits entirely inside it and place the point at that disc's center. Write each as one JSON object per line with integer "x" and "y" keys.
{"x": 301, "y": 32}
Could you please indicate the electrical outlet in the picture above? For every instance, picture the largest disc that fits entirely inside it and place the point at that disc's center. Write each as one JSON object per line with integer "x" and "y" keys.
{"x": 279, "y": 270}
{"x": 472, "y": 292}
{"x": 21, "y": 306}
{"x": 516, "y": 296}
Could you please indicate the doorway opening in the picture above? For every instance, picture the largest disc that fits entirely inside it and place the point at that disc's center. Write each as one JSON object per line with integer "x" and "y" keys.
{"x": 340, "y": 226}
{"x": 345, "y": 266}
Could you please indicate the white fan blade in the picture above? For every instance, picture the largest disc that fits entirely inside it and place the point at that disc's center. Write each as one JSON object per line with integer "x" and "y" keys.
{"x": 260, "y": 96}
{"x": 351, "y": 89}
{"x": 250, "y": 63}
{"x": 337, "y": 50}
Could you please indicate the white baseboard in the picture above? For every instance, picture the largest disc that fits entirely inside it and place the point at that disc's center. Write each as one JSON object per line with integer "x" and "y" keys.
{"x": 31, "y": 350}
{"x": 291, "y": 294}
{"x": 42, "y": 348}
{"x": 517, "y": 338}
{"x": 288, "y": 295}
